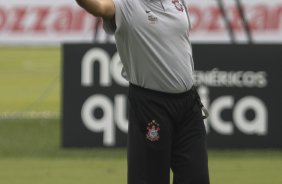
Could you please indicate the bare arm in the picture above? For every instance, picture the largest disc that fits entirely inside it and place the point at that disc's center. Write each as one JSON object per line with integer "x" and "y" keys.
{"x": 99, "y": 8}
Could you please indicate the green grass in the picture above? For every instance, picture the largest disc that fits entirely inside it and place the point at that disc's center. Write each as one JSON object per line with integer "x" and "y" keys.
{"x": 63, "y": 171}
{"x": 31, "y": 152}
{"x": 29, "y": 79}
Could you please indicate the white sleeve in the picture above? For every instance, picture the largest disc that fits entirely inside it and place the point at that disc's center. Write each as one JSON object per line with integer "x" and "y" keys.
{"x": 122, "y": 14}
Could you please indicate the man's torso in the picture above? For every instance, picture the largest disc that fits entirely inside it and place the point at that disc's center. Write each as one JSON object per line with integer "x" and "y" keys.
{"x": 152, "y": 38}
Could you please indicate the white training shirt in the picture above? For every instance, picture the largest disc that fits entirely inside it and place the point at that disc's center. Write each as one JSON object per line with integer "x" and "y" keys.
{"x": 152, "y": 38}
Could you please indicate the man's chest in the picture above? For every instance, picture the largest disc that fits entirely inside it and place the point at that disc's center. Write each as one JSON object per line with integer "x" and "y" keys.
{"x": 160, "y": 17}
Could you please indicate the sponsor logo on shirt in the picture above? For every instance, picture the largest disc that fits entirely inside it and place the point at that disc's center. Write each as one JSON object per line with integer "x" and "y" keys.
{"x": 152, "y": 19}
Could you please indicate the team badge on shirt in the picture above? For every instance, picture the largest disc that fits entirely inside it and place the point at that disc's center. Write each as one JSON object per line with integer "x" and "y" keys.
{"x": 153, "y": 129}
{"x": 177, "y": 5}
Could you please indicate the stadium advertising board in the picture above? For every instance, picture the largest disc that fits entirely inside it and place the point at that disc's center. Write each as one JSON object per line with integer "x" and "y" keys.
{"x": 238, "y": 83}
{"x": 52, "y": 22}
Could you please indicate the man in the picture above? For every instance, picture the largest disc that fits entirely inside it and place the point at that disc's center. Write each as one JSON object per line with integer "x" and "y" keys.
{"x": 166, "y": 129}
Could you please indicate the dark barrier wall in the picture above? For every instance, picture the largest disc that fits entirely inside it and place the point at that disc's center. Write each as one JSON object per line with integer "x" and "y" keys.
{"x": 240, "y": 84}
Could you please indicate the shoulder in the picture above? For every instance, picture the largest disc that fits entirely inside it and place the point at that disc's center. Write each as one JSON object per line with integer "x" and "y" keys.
{"x": 123, "y": 8}
{"x": 123, "y": 2}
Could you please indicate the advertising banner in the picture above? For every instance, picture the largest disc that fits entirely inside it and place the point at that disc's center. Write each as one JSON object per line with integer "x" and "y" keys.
{"x": 239, "y": 84}
{"x": 53, "y": 22}
{"x": 44, "y": 22}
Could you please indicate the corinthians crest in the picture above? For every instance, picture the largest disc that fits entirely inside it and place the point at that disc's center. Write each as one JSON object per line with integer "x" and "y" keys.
{"x": 177, "y": 5}
{"x": 153, "y": 131}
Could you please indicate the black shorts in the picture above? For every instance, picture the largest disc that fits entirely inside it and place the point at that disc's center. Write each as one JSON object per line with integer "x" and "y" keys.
{"x": 166, "y": 131}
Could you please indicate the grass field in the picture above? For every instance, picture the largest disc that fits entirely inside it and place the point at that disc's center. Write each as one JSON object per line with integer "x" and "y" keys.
{"x": 30, "y": 148}
{"x": 29, "y": 79}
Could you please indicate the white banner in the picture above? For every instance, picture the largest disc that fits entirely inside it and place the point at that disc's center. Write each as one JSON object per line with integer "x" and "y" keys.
{"x": 44, "y": 22}
{"x": 264, "y": 20}
{"x": 53, "y": 22}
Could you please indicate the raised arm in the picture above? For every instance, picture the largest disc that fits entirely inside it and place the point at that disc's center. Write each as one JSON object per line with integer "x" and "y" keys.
{"x": 99, "y": 8}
